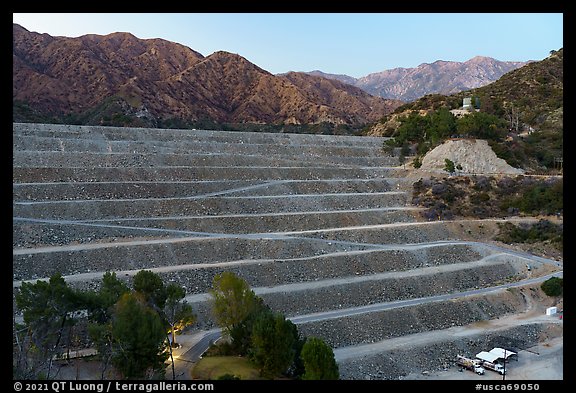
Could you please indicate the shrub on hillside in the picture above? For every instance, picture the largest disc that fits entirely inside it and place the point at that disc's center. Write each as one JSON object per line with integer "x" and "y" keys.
{"x": 553, "y": 286}
{"x": 543, "y": 230}
{"x": 487, "y": 196}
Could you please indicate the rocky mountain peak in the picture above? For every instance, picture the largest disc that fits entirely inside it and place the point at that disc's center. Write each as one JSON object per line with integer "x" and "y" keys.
{"x": 439, "y": 77}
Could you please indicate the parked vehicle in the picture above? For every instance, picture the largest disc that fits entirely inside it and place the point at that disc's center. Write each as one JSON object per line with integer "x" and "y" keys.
{"x": 470, "y": 364}
{"x": 494, "y": 367}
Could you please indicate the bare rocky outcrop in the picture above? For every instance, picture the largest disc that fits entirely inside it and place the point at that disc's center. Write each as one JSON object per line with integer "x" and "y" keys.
{"x": 473, "y": 155}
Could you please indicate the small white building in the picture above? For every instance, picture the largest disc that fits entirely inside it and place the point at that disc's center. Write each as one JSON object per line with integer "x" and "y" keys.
{"x": 487, "y": 356}
{"x": 551, "y": 310}
{"x": 502, "y": 353}
{"x": 495, "y": 355}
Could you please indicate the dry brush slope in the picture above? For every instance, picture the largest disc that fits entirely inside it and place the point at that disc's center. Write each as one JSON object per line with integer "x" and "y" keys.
{"x": 315, "y": 224}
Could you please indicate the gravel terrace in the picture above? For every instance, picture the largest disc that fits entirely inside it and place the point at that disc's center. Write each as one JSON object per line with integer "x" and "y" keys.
{"x": 314, "y": 223}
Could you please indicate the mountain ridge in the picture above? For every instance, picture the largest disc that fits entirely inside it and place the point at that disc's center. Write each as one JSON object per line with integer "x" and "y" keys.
{"x": 438, "y": 77}
{"x": 124, "y": 80}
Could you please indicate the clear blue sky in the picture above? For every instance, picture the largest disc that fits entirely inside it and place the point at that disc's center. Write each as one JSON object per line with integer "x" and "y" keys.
{"x": 354, "y": 44}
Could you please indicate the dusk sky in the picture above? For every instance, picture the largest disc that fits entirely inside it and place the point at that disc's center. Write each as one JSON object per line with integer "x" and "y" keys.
{"x": 354, "y": 44}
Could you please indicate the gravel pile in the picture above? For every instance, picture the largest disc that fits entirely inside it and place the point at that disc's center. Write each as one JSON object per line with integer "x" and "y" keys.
{"x": 59, "y": 159}
{"x": 110, "y": 209}
{"x": 79, "y": 174}
{"x": 134, "y": 190}
{"x": 378, "y": 326}
{"x": 472, "y": 155}
{"x": 33, "y": 234}
{"x": 172, "y": 135}
{"x": 101, "y": 190}
{"x": 319, "y": 187}
{"x": 369, "y": 327}
{"x": 412, "y": 234}
{"x": 176, "y": 252}
{"x": 279, "y": 272}
{"x": 146, "y": 256}
{"x": 386, "y": 290}
{"x": 279, "y": 222}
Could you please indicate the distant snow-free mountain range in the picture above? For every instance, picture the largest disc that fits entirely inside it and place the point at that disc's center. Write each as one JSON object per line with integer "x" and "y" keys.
{"x": 441, "y": 77}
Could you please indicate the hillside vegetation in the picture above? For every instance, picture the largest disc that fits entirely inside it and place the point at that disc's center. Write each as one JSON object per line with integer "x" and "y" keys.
{"x": 521, "y": 115}
{"x": 482, "y": 197}
{"x": 488, "y": 196}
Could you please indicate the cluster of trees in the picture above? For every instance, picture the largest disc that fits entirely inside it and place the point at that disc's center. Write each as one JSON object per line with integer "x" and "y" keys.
{"x": 133, "y": 329}
{"x": 418, "y": 134}
{"x": 270, "y": 340}
{"x": 424, "y": 132}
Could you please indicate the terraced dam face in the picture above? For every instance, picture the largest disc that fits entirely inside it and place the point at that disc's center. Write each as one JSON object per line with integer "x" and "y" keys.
{"x": 321, "y": 227}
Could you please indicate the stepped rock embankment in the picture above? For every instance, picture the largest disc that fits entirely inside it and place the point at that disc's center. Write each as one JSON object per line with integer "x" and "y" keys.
{"x": 315, "y": 224}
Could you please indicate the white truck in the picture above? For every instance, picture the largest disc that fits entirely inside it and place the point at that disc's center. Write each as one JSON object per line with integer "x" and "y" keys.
{"x": 494, "y": 367}
{"x": 470, "y": 364}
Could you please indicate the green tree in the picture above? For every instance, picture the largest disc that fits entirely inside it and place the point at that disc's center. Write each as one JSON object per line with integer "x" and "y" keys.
{"x": 482, "y": 125}
{"x": 99, "y": 304}
{"x": 402, "y": 159}
{"x": 412, "y": 128}
{"x": 168, "y": 302}
{"x": 47, "y": 309}
{"x": 232, "y": 300}
{"x": 273, "y": 341}
{"x": 138, "y": 338}
{"x": 554, "y": 286}
{"x": 449, "y": 165}
{"x": 112, "y": 289}
{"x": 417, "y": 162}
{"x": 241, "y": 333}
{"x": 101, "y": 335}
{"x": 178, "y": 314}
{"x": 151, "y": 286}
{"x": 296, "y": 370}
{"x": 177, "y": 311}
{"x": 318, "y": 359}
{"x": 442, "y": 125}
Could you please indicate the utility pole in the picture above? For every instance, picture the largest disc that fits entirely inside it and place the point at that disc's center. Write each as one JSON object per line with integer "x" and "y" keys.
{"x": 504, "y": 373}
{"x": 513, "y": 118}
